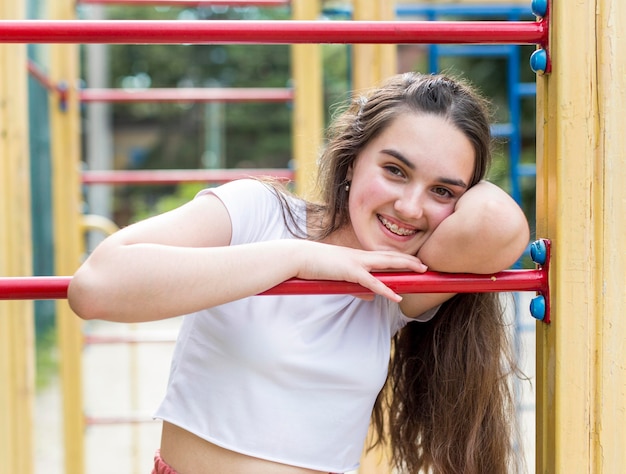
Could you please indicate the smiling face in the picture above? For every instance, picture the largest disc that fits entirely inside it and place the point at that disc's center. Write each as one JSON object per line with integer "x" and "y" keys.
{"x": 405, "y": 182}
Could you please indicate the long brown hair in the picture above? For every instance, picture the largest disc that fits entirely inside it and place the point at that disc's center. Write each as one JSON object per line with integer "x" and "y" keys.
{"x": 448, "y": 404}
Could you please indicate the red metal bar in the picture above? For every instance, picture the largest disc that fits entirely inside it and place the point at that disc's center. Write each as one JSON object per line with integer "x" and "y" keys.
{"x": 272, "y": 32}
{"x": 188, "y": 95}
{"x": 180, "y": 176}
{"x": 190, "y": 3}
{"x": 36, "y": 72}
{"x": 26, "y": 288}
{"x": 33, "y": 288}
{"x": 429, "y": 282}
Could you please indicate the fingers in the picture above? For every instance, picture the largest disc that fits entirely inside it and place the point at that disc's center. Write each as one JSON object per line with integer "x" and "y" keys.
{"x": 385, "y": 261}
{"x": 396, "y": 261}
{"x": 372, "y": 283}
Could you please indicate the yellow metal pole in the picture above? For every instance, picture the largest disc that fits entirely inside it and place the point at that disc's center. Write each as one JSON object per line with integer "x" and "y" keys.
{"x": 308, "y": 116}
{"x": 16, "y": 317}
{"x": 581, "y": 206}
{"x": 65, "y": 152}
{"x": 372, "y": 63}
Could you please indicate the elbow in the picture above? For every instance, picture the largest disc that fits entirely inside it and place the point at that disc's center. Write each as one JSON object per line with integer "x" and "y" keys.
{"x": 511, "y": 225}
{"x": 84, "y": 297}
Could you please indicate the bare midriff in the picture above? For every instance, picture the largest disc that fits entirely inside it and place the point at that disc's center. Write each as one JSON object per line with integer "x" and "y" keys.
{"x": 189, "y": 454}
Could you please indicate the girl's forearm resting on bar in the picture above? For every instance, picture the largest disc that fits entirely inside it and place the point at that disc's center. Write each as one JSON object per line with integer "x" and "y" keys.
{"x": 486, "y": 233}
{"x": 181, "y": 262}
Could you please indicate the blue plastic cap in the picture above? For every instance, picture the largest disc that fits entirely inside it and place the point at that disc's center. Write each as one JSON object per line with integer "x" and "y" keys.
{"x": 538, "y": 307}
{"x": 539, "y": 61}
{"x": 539, "y": 7}
{"x": 538, "y": 252}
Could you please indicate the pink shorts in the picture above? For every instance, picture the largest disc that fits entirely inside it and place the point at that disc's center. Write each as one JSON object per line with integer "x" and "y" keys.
{"x": 160, "y": 466}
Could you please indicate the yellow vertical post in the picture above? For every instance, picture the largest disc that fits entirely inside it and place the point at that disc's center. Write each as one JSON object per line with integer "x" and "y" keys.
{"x": 308, "y": 103}
{"x": 65, "y": 153}
{"x": 16, "y": 317}
{"x": 372, "y": 63}
{"x": 581, "y": 206}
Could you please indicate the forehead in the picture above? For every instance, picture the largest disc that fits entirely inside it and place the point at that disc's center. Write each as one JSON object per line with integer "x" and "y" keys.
{"x": 427, "y": 141}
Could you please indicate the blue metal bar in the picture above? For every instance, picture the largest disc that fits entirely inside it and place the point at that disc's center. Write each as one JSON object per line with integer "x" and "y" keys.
{"x": 444, "y": 10}
{"x": 464, "y": 10}
{"x": 502, "y": 129}
{"x": 526, "y": 89}
{"x": 476, "y": 50}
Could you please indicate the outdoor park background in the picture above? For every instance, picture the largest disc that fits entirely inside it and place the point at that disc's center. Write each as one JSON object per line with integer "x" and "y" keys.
{"x": 127, "y": 381}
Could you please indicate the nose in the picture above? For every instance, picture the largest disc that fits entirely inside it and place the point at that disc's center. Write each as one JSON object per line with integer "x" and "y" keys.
{"x": 410, "y": 204}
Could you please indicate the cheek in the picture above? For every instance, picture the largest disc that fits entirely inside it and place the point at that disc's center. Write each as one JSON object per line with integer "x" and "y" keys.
{"x": 367, "y": 197}
{"x": 440, "y": 214}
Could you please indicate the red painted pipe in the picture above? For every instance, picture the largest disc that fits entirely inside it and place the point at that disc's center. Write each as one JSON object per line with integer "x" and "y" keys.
{"x": 33, "y": 288}
{"x": 190, "y": 3}
{"x": 47, "y": 288}
{"x": 187, "y": 95}
{"x": 272, "y": 32}
{"x": 180, "y": 176}
{"x": 429, "y": 282}
{"x": 37, "y": 73}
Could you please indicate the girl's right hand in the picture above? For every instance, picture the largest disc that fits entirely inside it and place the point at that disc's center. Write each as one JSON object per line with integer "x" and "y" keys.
{"x": 319, "y": 261}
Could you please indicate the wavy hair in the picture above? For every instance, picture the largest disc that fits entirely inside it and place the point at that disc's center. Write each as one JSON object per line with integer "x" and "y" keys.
{"x": 447, "y": 406}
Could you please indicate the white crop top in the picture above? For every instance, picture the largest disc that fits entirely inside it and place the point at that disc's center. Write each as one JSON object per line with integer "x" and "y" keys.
{"x": 290, "y": 379}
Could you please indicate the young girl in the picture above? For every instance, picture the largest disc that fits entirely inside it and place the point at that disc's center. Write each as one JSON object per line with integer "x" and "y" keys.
{"x": 288, "y": 384}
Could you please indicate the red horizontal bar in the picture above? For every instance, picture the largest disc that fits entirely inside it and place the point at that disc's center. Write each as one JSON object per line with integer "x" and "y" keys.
{"x": 272, "y": 32}
{"x": 34, "y": 288}
{"x": 190, "y": 3}
{"x": 181, "y": 176}
{"x": 38, "y": 288}
{"x": 36, "y": 72}
{"x": 188, "y": 95}
{"x": 429, "y": 282}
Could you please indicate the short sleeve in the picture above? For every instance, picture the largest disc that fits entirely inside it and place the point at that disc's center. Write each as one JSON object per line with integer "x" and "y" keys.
{"x": 254, "y": 210}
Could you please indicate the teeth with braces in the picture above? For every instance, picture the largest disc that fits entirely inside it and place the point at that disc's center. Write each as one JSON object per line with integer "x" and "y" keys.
{"x": 395, "y": 229}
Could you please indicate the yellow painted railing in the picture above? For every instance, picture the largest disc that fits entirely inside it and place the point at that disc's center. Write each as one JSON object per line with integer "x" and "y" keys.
{"x": 581, "y": 207}
{"x": 308, "y": 102}
{"x": 68, "y": 245}
{"x": 16, "y": 317}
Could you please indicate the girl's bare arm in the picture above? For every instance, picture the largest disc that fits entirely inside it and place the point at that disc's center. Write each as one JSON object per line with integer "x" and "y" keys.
{"x": 181, "y": 261}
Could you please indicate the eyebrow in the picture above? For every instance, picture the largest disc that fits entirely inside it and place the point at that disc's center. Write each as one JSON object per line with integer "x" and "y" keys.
{"x": 409, "y": 164}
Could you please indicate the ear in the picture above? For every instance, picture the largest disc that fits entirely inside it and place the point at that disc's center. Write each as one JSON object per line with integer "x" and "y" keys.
{"x": 350, "y": 172}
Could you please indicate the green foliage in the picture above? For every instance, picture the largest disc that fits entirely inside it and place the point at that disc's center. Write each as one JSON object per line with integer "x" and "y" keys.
{"x": 266, "y": 125}
{"x": 182, "y": 193}
{"x": 46, "y": 357}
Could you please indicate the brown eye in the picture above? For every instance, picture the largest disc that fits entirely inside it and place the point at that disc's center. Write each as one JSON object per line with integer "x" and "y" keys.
{"x": 443, "y": 192}
{"x": 394, "y": 170}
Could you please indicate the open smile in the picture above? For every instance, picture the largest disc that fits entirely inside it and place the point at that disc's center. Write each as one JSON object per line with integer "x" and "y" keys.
{"x": 395, "y": 228}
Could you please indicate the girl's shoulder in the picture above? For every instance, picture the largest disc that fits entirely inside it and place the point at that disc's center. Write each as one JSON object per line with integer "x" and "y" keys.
{"x": 243, "y": 189}
{"x": 260, "y": 210}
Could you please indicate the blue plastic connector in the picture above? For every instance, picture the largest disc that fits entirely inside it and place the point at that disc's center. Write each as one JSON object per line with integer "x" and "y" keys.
{"x": 538, "y": 307}
{"x": 539, "y": 7}
{"x": 539, "y": 61}
{"x": 539, "y": 252}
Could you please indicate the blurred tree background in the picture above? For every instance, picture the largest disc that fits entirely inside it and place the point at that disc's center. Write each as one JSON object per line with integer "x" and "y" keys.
{"x": 254, "y": 134}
